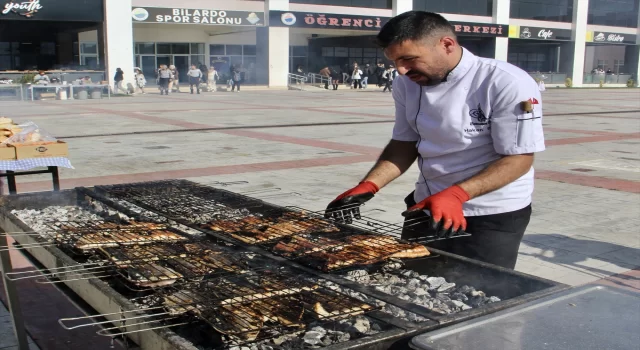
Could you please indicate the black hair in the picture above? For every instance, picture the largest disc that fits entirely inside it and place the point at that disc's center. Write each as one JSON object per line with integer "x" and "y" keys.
{"x": 412, "y": 25}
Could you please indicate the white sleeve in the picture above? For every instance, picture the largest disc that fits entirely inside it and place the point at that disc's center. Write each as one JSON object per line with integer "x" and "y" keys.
{"x": 513, "y": 130}
{"x": 402, "y": 130}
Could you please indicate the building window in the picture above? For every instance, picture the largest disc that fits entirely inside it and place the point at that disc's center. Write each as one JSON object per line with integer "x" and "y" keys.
{"x": 327, "y": 51}
{"x": 618, "y": 66}
{"x": 463, "y": 7}
{"x": 376, "y": 4}
{"x": 617, "y": 13}
{"x": 542, "y": 10}
{"x": 88, "y": 54}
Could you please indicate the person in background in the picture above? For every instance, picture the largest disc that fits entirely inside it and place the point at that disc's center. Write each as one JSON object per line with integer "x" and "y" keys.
{"x": 379, "y": 73}
{"x": 356, "y": 76}
{"x": 119, "y": 79}
{"x": 388, "y": 76}
{"x": 212, "y": 77}
{"x": 195, "y": 75}
{"x": 366, "y": 72}
{"x": 164, "y": 75}
{"x": 205, "y": 72}
{"x": 335, "y": 78}
{"x": 236, "y": 77}
{"x": 326, "y": 72}
{"x": 41, "y": 78}
{"x": 174, "y": 80}
{"x": 140, "y": 80}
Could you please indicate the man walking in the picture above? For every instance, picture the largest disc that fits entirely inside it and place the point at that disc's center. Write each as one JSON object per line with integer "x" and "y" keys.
{"x": 473, "y": 124}
{"x": 195, "y": 75}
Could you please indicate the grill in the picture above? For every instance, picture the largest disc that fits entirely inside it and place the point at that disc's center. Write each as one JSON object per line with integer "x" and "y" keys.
{"x": 232, "y": 303}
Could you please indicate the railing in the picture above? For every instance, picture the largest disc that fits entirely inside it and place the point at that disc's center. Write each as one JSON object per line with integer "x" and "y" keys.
{"x": 318, "y": 80}
{"x": 296, "y": 82}
{"x": 549, "y": 77}
{"x": 595, "y": 78}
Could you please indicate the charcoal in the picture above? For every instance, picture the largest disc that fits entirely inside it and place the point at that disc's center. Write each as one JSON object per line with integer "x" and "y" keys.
{"x": 466, "y": 290}
{"x": 404, "y": 297}
{"x": 446, "y": 286}
{"x": 265, "y": 347}
{"x": 407, "y": 273}
{"x": 459, "y": 296}
{"x": 254, "y": 347}
{"x": 392, "y": 266}
{"x": 361, "y": 325}
{"x": 478, "y": 293}
{"x": 279, "y": 340}
{"x": 319, "y": 330}
{"x": 413, "y": 284}
{"x": 326, "y": 341}
{"x": 435, "y": 282}
{"x": 477, "y": 301}
{"x": 312, "y": 337}
{"x": 396, "y": 290}
{"x": 442, "y": 298}
{"x": 493, "y": 299}
{"x": 415, "y": 318}
{"x": 376, "y": 327}
{"x": 361, "y": 276}
{"x": 338, "y": 336}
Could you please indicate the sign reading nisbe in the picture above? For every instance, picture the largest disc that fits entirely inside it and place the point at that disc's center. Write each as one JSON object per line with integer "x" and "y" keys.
{"x": 25, "y": 8}
{"x": 339, "y": 21}
{"x": 197, "y": 16}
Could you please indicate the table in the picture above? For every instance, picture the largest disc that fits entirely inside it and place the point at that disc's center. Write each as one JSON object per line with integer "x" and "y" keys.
{"x": 16, "y": 87}
{"x": 23, "y": 167}
{"x": 48, "y": 86}
{"x": 93, "y": 86}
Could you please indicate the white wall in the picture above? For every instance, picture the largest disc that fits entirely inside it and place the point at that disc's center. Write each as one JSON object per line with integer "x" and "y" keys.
{"x": 119, "y": 38}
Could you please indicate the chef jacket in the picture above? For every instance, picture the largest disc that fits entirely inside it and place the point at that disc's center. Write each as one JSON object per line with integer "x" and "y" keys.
{"x": 467, "y": 122}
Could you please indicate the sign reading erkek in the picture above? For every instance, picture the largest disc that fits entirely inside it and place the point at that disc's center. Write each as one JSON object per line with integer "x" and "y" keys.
{"x": 197, "y": 16}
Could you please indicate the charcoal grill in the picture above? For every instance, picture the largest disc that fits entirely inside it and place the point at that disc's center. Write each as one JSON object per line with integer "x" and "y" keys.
{"x": 514, "y": 288}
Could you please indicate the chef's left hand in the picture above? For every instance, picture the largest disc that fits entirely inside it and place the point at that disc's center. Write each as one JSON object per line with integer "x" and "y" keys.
{"x": 446, "y": 210}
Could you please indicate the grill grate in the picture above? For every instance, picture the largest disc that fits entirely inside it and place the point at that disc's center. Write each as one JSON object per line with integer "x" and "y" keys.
{"x": 254, "y": 307}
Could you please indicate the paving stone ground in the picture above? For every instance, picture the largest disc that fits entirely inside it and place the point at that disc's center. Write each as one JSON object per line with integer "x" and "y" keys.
{"x": 303, "y": 148}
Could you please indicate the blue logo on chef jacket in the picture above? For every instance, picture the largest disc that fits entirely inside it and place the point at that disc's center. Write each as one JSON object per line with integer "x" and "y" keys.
{"x": 288, "y": 18}
{"x": 139, "y": 14}
{"x": 478, "y": 114}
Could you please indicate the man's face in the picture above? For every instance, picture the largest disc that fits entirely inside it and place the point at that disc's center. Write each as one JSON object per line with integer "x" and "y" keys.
{"x": 425, "y": 62}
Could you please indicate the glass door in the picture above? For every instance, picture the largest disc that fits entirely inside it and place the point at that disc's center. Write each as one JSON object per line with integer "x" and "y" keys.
{"x": 182, "y": 65}
{"x": 163, "y": 60}
{"x": 148, "y": 66}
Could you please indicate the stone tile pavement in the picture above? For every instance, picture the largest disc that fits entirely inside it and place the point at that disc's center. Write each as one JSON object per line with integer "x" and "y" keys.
{"x": 303, "y": 148}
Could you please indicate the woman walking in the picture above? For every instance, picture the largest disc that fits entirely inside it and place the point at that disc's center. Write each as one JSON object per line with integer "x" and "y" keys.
{"x": 140, "y": 80}
{"x": 212, "y": 78}
{"x": 164, "y": 75}
{"x": 119, "y": 78}
{"x": 195, "y": 75}
{"x": 356, "y": 76}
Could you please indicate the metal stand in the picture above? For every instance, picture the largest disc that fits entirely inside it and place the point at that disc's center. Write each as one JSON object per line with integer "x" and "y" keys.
{"x": 13, "y": 303}
{"x": 11, "y": 177}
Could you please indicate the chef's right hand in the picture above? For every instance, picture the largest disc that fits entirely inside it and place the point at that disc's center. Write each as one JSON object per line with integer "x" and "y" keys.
{"x": 347, "y": 205}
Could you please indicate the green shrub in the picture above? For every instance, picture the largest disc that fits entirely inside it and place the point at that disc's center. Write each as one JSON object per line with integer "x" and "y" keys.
{"x": 601, "y": 83}
{"x": 568, "y": 82}
{"x": 26, "y": 78}
{"x": 631, "y": 83}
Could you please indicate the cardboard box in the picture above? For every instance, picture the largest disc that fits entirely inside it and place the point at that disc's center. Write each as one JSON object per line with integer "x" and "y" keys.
{"x": 7, "y": 153}
{"x": 59, "y": 149}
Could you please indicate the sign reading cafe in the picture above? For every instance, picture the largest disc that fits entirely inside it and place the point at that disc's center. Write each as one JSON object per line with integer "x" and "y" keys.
{"x": 197, "y": 16}
{"x": 24, "y": 8}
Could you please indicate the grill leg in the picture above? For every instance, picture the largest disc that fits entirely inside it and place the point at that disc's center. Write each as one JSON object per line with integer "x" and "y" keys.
{"x": 55, "y": 177}
{"x": 12, "y": 297}
{"x": 11, "y": 182}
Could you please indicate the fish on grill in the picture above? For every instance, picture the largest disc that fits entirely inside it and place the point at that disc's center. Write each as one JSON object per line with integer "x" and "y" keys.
{"x": 253, "y": 230}
{"x": 115, "y": 238}
{"x": 389, "y": 245}
{"x": 326, "y": 305}
{"x": 125, "y": 255}
{"x": 150, "y": 275}
{"x": 182, "y": 302}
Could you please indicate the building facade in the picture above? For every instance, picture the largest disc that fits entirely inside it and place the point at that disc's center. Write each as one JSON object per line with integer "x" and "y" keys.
{"x": 589, "y": 41}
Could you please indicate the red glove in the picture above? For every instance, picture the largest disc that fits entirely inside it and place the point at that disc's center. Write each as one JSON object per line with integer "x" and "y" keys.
{"x": 445, "y": 208}
{"x": 347, "y": 205}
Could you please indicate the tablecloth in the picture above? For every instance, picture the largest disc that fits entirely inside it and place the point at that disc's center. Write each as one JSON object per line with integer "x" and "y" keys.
{"x": 26, "y": 164}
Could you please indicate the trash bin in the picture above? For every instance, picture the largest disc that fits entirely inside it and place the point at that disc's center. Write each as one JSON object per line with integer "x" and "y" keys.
{"x": 62, "y": 94}
{"x": 96, "y": 94}
{"x": 83, "y": 94}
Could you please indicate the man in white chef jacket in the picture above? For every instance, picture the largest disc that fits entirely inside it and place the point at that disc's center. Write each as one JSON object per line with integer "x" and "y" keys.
{"x": 473, "y": 125}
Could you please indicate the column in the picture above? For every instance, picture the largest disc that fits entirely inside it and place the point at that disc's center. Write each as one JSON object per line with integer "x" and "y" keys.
{"x": 637, "y": 75}
{"x": 118, "y": 37}
{"x": 278, "y": 46}
{"x": 401, "y": 6}
{"x": 501, "y": 15}
{"x": 579, "y": 37}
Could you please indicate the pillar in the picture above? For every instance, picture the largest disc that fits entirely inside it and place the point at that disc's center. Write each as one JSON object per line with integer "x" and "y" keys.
{"x": 637, "y": 50}
{"x": 118, "y": 37}
{"x": 277, "y": 55}
{"x": 579, "y": 37}
{"x": 501, "y": 15}
{"x": 401, "y": 6}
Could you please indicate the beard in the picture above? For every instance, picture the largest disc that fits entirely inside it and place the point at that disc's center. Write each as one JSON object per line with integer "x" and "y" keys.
{"x": 426, "y": 79}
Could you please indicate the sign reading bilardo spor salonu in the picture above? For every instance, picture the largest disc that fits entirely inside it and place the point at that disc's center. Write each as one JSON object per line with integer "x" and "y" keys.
{"x": 197, "y": 16}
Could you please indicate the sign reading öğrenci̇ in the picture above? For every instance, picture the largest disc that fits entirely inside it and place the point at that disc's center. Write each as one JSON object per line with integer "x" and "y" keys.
{"x": 197, "y": 16}
{"x": 24, "y": 8}
{"x": 370, "y": 23}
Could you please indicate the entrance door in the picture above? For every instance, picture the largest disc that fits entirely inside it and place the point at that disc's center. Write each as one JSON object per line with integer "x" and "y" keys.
{"x": 163, "y": 60}
{"x": 148, "y": 66}
{"x": 182, "y": 65}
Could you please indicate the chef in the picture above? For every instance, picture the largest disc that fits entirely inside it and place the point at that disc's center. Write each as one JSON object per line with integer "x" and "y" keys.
{"x": 473, "y": 125}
